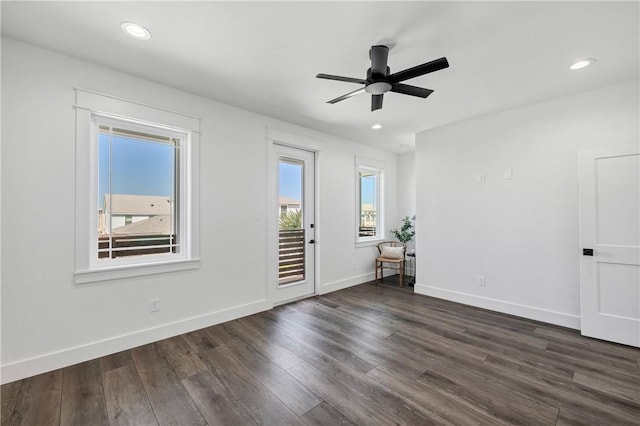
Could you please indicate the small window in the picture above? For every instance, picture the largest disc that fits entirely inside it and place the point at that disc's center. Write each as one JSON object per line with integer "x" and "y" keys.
{"x": 369, "y": 204}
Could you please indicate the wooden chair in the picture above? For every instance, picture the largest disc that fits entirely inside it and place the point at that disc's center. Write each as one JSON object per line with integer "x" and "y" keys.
{"x": 393, "y": 254}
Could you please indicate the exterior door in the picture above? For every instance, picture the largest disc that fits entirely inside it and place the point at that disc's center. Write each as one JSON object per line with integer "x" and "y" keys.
{"x": 610, "y": 244}
{"x": 296, "y": 224}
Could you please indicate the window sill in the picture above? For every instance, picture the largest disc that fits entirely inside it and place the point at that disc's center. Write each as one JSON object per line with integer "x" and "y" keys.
{"x": 369, "y": 243}
{"x": 115, "y": 273}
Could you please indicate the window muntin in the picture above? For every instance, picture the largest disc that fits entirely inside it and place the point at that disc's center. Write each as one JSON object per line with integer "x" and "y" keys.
{"x": 139, "y": 209}
{"x": 368, "y": 209}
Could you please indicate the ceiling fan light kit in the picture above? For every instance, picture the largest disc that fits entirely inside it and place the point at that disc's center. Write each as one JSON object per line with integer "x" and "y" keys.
{"x": 380, "y": 80}
{"x": 377, "y": 88}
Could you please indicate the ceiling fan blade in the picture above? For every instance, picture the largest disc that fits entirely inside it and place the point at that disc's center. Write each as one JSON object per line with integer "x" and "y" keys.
{"x": 376, "y": 102}
{"x": 379, "y": 56}
{"x": 340, "y": 78}
{"x": 419, "y": 70}
{"x": 405, "y": 89}
{"x": 347, "y": 96}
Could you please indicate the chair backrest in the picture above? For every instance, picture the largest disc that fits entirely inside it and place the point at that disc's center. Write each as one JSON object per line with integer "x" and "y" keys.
{"x": 392, "y": 244}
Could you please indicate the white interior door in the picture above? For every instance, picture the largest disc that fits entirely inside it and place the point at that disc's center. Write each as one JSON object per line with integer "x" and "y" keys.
{"x": 610, "y": 243}
{"x": 296, "y": 223}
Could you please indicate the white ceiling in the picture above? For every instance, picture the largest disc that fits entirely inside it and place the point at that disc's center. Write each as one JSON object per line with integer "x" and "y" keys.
{"x": 263, "y": 56}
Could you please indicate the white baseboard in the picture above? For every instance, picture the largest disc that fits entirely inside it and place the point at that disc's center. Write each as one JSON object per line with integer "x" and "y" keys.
{"x": 345, "y": 283}
{"x": 530, "y": 312}
{"x": 69, "y": 356}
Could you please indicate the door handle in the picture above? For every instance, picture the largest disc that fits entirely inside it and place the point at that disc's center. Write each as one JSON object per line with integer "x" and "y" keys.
{"x": 587, "y": 252}
{"x": 312, "y": 241}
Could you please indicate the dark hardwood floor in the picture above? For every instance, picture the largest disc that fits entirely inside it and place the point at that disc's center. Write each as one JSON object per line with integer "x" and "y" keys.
{"x": 364, "y": 355}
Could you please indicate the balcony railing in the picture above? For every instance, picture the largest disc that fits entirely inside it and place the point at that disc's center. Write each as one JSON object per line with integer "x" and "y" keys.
{"x": 291, "y": 256}
{"x": 367, "y": 231}
{"x": 135, "y": 245}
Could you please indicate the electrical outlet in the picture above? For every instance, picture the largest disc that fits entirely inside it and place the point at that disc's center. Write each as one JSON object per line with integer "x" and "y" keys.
{"x": 482, "y": 178}
{"x": 482, "y": 281}
{"x": 353, "y": 266}
{"x": 154, "y": 305}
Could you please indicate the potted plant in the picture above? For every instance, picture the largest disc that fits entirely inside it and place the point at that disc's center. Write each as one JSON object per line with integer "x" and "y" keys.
{"x": 406, "y": 231}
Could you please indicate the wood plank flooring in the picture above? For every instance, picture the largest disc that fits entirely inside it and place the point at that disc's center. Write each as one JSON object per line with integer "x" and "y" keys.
{"x": 364, "y": 355}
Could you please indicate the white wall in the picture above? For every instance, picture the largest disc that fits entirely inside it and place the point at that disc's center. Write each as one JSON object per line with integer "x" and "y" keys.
{"x": 406, "y": 185}
{"x": 47, "y": 320}
{"x": 406, "y": 191}
{"x": 521, "y": 234}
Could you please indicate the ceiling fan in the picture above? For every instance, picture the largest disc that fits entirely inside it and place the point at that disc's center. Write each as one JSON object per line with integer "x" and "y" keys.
{"x": 379, "y": 80}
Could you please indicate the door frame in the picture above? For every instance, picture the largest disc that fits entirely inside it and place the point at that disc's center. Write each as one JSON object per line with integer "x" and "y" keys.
{"x": 275, "y": 139}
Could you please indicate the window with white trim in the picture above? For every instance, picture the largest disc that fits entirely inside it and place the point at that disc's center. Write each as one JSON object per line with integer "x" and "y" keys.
{"x": 136, "y": 189}
{"x": 369, "y": 203}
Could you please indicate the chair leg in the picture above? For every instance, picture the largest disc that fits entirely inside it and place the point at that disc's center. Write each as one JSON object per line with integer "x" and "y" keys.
{"x": 401, "y": 274}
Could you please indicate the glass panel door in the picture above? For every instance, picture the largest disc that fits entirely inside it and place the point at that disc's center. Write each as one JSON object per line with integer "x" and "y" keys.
{"x": 296, "y": 227}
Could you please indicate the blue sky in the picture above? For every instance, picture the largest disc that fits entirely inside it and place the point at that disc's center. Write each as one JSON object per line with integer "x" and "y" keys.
{"x": 138, "y": 167}
{"x": 368, "y": 189}
{"x": 291, "y": 181}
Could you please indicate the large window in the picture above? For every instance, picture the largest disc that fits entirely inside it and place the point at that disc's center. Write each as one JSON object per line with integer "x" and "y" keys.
{"x": 136, "y": 189}
{"x": 138, "y": 201}
{"x": 369, "y": 214}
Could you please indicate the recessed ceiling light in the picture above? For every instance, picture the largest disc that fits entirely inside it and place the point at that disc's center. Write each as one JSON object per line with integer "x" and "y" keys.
{"x": 582, "y": 63}
{"x": 135, "y": 30}
{"x": 376, "y": 126}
